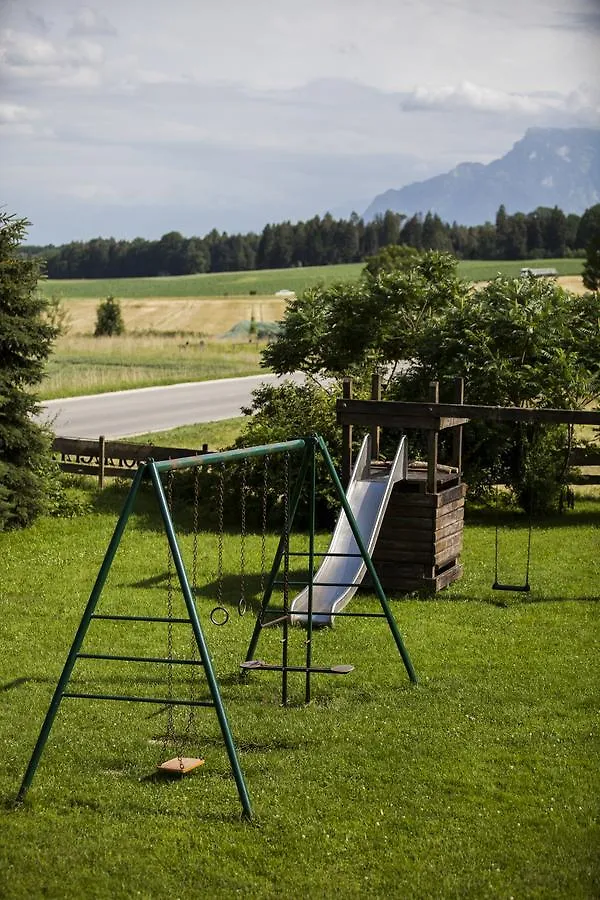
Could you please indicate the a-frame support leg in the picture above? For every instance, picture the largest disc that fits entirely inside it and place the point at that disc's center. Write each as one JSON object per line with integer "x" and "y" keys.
{"x": 80, "y": 635}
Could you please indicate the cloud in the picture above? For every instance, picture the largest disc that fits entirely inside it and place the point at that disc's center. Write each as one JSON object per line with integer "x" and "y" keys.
{"x": 89, "y": 21}
{"x": 37, "y": 22}
{"x": 25, "y": 57}
{"x": 466, "y": 96}
{"x": 11, "y": 113}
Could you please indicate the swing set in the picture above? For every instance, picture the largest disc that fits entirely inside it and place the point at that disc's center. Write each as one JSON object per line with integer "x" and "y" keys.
{"x": 199, "y": 658}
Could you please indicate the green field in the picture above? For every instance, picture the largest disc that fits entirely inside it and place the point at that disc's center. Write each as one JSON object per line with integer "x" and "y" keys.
{"x": 268, "y": 281}
{"x": 481, "y": 782}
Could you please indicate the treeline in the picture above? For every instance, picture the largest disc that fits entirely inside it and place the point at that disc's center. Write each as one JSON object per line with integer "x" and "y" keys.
{"x": 545, "y": 232}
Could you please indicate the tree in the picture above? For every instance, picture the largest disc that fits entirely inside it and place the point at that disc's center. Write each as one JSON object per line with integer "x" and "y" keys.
{"x": 109, "y": 319}
{"x": 356, "y": 327}
{"x": 591, "y": 269}
{"x": 517, "y": 342}
{"x": 26, "y": 337}
{"x": 391, "y": 258}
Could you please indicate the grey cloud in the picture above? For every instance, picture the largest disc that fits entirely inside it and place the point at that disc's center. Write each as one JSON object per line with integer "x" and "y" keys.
{"x": 90, "y": 22}
{"x": 37, "y": 22}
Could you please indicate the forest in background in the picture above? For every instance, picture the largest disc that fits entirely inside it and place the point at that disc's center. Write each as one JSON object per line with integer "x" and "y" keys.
{"x": 545, "y": 232}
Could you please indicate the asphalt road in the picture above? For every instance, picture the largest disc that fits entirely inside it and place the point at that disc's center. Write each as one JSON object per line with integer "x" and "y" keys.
{"x": 126, "y": 413}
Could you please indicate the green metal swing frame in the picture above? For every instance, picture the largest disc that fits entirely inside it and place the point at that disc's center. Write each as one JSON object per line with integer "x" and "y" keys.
{"x": 151, "y": 471}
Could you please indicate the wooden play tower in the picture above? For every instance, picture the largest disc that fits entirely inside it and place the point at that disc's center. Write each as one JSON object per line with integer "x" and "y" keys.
{"x": 421, "y": 537}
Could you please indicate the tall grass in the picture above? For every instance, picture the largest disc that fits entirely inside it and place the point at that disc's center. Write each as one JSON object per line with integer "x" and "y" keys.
{"x": 88, "y": 365}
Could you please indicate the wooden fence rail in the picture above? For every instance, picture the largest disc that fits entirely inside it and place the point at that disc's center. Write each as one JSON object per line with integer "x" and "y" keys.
{"x": 104, "y": 458}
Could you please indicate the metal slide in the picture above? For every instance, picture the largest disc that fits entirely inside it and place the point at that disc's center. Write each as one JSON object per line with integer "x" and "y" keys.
{"x": 339, "y": 575}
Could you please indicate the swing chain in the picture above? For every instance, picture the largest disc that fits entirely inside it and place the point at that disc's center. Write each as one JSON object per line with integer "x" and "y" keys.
{"x": 242, "y": 605}
{"x": 286, "y": 526}
{"x": 219, "y": 615}
{"x": 193, "y": 677}
{"x": 263, "y": 545}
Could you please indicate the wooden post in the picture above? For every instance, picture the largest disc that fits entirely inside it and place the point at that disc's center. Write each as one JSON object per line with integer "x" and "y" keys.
{"x": 457, "y": 433}
{"x": 101, "y": 462}
{"x": 432, "y": 443}
{"x": 375, "y": 430}
{"x": 346, "y": 436}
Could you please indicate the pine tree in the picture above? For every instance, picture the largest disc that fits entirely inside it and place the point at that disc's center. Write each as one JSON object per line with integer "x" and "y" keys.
{"x": 26, "y": 338}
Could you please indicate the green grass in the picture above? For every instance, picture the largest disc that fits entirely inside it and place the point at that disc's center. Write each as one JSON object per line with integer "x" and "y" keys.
{"x": 481, "y": 782}
{"x": 268, "y": 281}
{"x": 87, "y": 365}
{"x": 217, "y": 435}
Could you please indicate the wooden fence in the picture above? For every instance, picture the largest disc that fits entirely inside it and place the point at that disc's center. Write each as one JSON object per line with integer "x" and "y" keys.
{"x": 117, "y": 459}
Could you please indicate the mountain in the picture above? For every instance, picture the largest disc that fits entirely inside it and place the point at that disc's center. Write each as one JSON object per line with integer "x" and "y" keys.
{"x": 547, "y": 167}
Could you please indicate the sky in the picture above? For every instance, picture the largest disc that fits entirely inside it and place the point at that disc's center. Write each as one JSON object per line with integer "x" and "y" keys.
{"x": 130, "y": 118}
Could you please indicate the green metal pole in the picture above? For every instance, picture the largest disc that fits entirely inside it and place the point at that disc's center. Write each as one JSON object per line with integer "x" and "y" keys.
{"x": 278, "y": 554}
{"x": 311, "y": 568}
{"x": 202, "y": 646}
{"x": 80, "y": 635}
{"x": 208, "y": 459}
{"x": 368, "y": 562}
{"x": 286, "y": 588}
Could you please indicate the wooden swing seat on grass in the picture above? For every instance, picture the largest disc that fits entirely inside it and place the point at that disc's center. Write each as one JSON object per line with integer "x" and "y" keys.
{"x": 180, "y": 765}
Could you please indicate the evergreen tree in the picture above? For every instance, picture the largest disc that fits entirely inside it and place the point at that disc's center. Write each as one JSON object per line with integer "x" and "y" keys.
{"x": 26, "y": 338}
{"x": 109, "y": 319}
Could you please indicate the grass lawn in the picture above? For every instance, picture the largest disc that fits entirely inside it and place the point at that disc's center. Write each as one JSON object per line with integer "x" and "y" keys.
{"x": 265, "y": 282}
{"x": 218, "y": 435}
{"x": 483, "y": 781}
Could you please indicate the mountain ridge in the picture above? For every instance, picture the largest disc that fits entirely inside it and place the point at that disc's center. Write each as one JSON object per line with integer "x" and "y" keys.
{"x": 546, "y": 167}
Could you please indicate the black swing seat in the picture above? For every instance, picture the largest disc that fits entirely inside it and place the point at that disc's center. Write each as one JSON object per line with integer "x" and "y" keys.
{"x": 260, "y": 664}
{"x": 521, "y": 588}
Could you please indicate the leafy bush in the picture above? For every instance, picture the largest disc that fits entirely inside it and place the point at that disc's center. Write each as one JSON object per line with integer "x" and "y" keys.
{"x": 109, "y": 318}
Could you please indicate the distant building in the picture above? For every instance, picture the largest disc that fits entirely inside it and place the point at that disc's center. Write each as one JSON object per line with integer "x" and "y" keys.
{"x": 539, "y": 273}
{"x": 284, "y": 293}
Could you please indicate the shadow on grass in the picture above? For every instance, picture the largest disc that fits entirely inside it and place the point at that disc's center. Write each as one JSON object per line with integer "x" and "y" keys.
{"x": 477, "y": 517}
{"x": 507, "y": 599}
{"x": 25, "y": 679}
{"x": 227, "y": 589}
{"x": 146, "y": 512}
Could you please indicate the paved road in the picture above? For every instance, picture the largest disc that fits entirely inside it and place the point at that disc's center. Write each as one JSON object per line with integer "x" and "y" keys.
{"x": 126, "y": 413}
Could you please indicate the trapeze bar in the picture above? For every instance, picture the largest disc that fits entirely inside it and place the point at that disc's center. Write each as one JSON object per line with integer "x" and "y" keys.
{"x": 207, "y": 459}
{"x": 162, "y": 701}
{"x": 142, "y": 619}
{"x": 259, "y": 664}
{"x": 300, "y": 615}
{"x": 142, "y": 659}
{"x": 276, "y": 621}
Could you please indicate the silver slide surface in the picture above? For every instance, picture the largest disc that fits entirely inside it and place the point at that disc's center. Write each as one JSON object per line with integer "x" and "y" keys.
{"x": 368, "y": 495}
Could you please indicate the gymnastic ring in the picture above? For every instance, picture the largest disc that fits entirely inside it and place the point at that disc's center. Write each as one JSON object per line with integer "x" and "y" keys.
{"x": 219, "y": 615}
